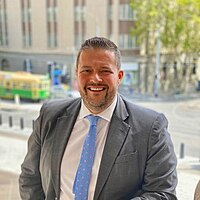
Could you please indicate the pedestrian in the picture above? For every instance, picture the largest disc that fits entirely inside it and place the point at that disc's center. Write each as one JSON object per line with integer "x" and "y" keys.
{"x": 99, "y": 146}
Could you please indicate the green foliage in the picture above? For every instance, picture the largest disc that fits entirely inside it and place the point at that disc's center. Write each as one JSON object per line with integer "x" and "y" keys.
{"x": 177, "y": 20}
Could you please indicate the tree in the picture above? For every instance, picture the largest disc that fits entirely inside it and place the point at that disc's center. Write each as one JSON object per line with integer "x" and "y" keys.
{"x": 178, "y": 22}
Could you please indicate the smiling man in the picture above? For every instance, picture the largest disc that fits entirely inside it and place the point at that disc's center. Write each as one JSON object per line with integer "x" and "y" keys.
{"x": 99, "y": 146}
{"x": 98, "y": 76}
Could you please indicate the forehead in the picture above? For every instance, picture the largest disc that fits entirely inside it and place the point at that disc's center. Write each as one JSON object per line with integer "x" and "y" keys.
{"x": 95, "y": 55}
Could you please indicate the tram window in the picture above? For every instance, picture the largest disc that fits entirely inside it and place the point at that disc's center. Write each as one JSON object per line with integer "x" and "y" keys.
{"x": 7, "y": 84}
{"x": 15, "y": 84}
{"x": 26, "y": 86}
{"x": 23, "y": 86}
{"x": 8, "y": 91}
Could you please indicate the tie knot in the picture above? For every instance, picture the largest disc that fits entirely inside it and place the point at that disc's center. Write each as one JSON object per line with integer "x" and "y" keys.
{"x": 93, "y": 119}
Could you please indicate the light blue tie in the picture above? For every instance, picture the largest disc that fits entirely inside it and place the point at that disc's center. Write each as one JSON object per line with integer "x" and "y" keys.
{"x": 83, "y": 174}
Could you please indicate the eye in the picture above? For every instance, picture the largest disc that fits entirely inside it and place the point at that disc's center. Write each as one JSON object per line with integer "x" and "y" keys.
{"x": 85, "y": 71}
{"x": 106, "y": 71}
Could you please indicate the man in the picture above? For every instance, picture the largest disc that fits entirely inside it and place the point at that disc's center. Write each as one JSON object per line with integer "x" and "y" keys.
{"x": 134, "y": 156}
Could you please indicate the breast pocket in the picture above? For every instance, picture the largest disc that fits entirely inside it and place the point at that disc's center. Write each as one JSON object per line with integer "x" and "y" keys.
{"x": 124, "y": 178}
{"x": 126, "y": 158}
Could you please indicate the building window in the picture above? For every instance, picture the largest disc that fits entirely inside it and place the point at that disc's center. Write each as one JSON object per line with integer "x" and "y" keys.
{"x": 28, "y": 67}
{"x": 79, "y": 13}
{"x": 126, "y": 12}
{"x": 110, "y": 12}
{"x": 26, "y": 23}
{"x": 3, "y": 24}
{"x": 78, "y": 40}
{"x": 52, "y": 33}
{"x": 79, "y": 22}
{"x": 126, "y": 41}
{"x": 5, "y": 66}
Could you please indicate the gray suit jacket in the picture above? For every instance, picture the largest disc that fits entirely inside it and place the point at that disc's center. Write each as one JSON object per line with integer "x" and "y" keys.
{"x": 138, "y": 160}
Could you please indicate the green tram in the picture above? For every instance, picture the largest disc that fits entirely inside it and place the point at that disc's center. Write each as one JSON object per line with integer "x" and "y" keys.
{"x": 24, "y": 84}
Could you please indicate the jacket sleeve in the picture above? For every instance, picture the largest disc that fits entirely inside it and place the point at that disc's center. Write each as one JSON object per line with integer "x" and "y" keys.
{"x": 30, "y": 184}
{"x": 160, "y": 178}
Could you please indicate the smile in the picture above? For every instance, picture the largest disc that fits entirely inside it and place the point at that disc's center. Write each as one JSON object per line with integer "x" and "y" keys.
{"x": 96, "y": 89}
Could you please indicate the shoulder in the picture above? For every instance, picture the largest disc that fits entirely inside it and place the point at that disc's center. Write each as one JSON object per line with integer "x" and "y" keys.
{"x": 141, "y": 114}
{"x": 59, "y": 106}
{"x": 59, "y": 102}
{"x": 136, "y": 109}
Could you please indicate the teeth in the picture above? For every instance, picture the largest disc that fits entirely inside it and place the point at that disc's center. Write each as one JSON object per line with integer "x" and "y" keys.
{"x": 96, "y": 89}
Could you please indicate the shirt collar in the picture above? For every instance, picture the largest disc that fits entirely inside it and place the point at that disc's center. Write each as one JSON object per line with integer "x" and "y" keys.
{"x": 106, "y": 114}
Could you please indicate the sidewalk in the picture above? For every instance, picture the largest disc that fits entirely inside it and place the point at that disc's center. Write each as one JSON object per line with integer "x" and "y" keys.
{"x": 188, "y": 170}
{"x": 9, "y": 186}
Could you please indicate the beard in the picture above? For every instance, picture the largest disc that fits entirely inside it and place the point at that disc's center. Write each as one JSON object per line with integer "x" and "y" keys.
{"x": 97, "y": 105}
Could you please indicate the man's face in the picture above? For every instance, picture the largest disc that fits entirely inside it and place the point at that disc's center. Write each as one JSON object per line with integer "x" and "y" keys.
{"x": 98, "y": 78}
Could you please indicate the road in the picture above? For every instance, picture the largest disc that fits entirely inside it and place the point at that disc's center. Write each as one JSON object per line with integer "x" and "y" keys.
{"x": 183, "y": 117}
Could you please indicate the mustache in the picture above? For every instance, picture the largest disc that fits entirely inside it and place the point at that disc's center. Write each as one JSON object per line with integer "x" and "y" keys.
{"x": 97, "y": 84}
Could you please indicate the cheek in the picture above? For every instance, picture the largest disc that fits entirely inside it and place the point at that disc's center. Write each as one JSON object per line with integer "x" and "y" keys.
{"x": 81, "y": 82}
{"x": 113, "y": 82}
{"x": 80, "y": 79}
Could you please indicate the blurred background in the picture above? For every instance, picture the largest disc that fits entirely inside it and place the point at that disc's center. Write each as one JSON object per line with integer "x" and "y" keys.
{"x": 160, "y": 46}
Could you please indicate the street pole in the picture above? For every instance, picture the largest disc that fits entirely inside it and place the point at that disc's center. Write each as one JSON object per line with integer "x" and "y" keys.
{"x": 156, "y": 84}
{"x": 73, "y": 69}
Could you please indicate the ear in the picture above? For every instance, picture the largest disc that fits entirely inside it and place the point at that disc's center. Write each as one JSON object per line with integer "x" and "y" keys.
{"x": 120, "y": 75}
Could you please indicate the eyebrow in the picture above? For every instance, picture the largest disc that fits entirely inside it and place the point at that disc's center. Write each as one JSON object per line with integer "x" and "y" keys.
{"x": 86, "y": 66}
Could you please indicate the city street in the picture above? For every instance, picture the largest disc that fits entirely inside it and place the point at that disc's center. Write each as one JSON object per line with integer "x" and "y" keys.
{"x": 183, "y": 117}
{"x": 146, "y": 51}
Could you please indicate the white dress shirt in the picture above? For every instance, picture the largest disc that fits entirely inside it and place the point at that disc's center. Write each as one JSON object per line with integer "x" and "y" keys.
{"x": 73, "y": 150}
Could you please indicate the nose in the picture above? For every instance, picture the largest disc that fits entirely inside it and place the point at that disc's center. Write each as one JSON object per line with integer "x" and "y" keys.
{"x": 96, "y": 77}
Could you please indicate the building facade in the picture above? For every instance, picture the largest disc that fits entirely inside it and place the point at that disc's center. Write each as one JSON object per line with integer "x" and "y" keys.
{"x": 39, "y": 36}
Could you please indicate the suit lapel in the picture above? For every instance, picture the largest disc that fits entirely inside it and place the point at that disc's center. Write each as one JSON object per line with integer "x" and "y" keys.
{"x": 62, "y": 133}
{"x": 116, "y": 136}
